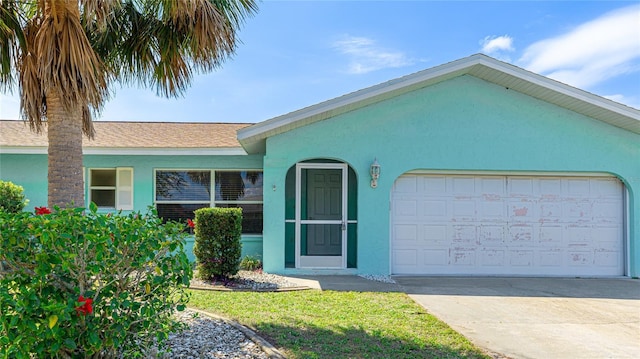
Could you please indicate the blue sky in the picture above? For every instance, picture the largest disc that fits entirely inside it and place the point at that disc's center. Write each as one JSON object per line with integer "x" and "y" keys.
{"x": 298, "y": 53}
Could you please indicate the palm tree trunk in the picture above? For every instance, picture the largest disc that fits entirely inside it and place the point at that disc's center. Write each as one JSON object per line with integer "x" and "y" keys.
{"x": 66, "y": 183}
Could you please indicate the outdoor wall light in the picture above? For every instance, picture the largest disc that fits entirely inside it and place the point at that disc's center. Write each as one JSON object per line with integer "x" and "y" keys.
{"x": 375, "y": 173}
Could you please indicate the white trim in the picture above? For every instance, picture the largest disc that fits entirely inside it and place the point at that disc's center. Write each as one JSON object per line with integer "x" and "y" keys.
{"x": 317, "y": 262}
{"x": 508, "y": 173}
{"x": 124, "y": 194}
{"x": 230, "y": 151}
{"x": 626, "y": 221}
{"x": 118, "y": 188}
{"x": 11, "y": 150}
{"x": 90, "y": 187}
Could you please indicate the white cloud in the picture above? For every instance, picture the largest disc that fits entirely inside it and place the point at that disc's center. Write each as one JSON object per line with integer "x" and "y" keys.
{"x": 366, "y": 56}
{"x": 628, "y": 101}
{"x": 595, "y": 51}
{"x": 494, "y": 44}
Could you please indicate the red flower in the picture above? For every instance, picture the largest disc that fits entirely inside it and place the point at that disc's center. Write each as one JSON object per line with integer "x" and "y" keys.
{"x": 190, "y": 223}
{"x": 42, "y": 210}
{"x": 86, "y": 307}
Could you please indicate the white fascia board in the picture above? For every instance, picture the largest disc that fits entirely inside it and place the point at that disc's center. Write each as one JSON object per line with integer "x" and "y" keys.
{"x": 560, "y": 87}
{"x": 23, "y": 150}
{"x": 228, "y": 151}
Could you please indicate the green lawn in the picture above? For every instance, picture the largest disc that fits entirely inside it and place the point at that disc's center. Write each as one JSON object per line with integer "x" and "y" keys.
{"x": 330, "y": 324}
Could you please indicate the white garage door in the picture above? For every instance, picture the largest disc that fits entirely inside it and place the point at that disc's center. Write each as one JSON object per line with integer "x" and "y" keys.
{"x": 507, "y": 225}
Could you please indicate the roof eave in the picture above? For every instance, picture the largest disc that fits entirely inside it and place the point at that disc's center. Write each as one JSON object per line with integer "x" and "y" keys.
{"x": 253, "y": 138}
{"x": 137, "y": 151}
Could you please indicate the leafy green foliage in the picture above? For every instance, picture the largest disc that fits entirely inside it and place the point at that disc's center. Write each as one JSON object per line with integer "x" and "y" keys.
{"x": 218, "y": 247}
{"x": 250, "y": 263}
{"x": 76, "y": 284}
{"x": 12, "y": 197}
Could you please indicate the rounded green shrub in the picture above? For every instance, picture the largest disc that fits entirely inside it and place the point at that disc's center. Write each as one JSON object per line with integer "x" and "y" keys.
{"x": 80, "y": 284}
{"x": 12, "y": 197}
{"x": 217, "y": 247}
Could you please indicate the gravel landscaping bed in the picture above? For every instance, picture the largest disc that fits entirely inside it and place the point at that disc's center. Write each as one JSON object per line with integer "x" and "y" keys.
{"x": 207, "y": 337}
{"x": 246, "y": 280}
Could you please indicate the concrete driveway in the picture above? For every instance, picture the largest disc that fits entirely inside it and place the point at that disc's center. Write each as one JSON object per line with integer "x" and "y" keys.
{"x": 537, "y": 317}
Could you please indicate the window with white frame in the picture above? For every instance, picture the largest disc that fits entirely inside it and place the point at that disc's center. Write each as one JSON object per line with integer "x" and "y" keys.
{"x": 178, "y": 193}
{"x": 111, "y": 188}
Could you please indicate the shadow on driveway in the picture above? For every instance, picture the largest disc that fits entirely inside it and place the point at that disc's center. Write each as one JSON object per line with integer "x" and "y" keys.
{"x": 615, "y": 288}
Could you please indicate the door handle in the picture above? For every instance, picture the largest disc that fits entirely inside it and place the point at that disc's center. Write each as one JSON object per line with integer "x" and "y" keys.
{"x": 344, "y": 226}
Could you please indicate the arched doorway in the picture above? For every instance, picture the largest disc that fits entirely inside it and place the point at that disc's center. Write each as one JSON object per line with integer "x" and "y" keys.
{"x": 321, "y": 215}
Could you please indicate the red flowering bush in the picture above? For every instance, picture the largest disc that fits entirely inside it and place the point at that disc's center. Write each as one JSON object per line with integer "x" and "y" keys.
{"x": 76, "y": 283}
{"x": 86, "y": 306}
{"x": 42, "y": 210}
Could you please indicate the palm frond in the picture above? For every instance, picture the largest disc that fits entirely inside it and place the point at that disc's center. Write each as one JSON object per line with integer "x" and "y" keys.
{"x": 11, "y": 41}
{"x": 162, "y": 43}
{"x": 66, "y": 58}
{"x": 32, "y": 97}
{"x": 98, "y": 13}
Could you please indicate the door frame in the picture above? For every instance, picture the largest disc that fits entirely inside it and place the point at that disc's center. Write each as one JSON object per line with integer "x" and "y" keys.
{"x": 321, "y": 261}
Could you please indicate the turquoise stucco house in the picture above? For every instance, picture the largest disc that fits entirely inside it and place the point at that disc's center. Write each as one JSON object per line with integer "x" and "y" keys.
{"x": 474, "y": 167}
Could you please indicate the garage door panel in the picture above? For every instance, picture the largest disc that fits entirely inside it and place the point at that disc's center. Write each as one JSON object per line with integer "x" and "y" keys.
{"x": 433, "y": 185}
{"x": 435, "y": 233}
{"x": 550, "y": 236}
{"x": 406, "y": 185}
{"x": 491, "y": 235}
{"x": 549, "y": 211}
{"x": 463, "y": 185}
{"x": 435, "y": 257}
{"x": 504, "y": 225}
{"x": 607, "y": 258}
{"x": 607, "y": 211}
{"x": 491, "y": 209}
{"x": 551, "y": 258}
{"x": 520, "y": 235}
{"x": 406, "y": 232}
{"x": 578, "y": 187}
{"x": 493, "y": 187}
{"x": 462, "y": 234}
{"x": 495, "y": 258}
{"x": 522, "y": 211}
{"x": 434, "y": 209}
{"x": 550, "y": 188}
{"x": 462, "y": 257}
{"x": 606, "y": 188}
{"x": 464, "y": 209}
{"x": 520, "y": 187}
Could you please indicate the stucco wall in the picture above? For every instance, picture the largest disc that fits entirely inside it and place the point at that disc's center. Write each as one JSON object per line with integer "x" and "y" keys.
{"x": 464, "y": 124}
{"x": 30, "y": 171}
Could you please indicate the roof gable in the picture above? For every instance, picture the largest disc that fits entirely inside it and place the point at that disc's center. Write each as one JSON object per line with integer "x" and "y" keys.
{"x": 253, "y": 138}
{"x": 133, "y": 138}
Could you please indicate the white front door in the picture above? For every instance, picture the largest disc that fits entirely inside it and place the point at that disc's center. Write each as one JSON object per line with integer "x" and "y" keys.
{"x": 321, "y": 215}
